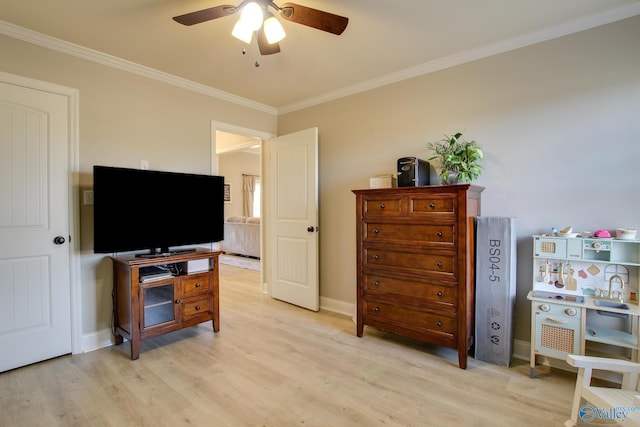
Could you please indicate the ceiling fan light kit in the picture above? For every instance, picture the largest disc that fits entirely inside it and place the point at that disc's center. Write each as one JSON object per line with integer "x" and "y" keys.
{"x": 255, "y": 16}
{"x": 242, "y": 32}
{"x": 273, "y": 29}
{"x": 251, "y": 16}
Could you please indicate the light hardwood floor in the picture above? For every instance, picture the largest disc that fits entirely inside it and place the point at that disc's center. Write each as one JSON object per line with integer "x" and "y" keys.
{"x": 273, "y": 364}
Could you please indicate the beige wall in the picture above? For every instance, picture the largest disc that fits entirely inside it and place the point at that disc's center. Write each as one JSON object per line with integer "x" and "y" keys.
{"x": 559, "y": 122}
{"x": 125, "y": 118}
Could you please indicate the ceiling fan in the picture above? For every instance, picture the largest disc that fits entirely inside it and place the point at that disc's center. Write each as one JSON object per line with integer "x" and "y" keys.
{"x": 255, "y": 16}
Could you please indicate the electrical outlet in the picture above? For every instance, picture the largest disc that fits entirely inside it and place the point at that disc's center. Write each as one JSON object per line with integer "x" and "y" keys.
{"x": 88, "y": 197}
{"x": 144, "y": 164}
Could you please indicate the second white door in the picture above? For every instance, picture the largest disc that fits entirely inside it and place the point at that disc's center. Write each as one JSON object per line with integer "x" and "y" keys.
{"x": 35, "y": 298}
{"x": 293, "y": 218}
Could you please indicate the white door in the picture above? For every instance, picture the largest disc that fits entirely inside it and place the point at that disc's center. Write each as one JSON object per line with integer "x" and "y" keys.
{"x": 293, "y": 218}
{"x": 35, "y": 313}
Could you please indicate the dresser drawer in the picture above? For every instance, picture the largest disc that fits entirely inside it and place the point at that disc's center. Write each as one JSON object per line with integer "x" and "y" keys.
{"x": 383, "y": 206}
{"x": 410, "y": 317}
{"x": 418, "y": 261}
{"x": 412, "y": 290}
{"x": 195, "y": 284}
{"x": 195, "y": 307}
{"x": 438, "y": 205}
{"x": 438, "y": 234}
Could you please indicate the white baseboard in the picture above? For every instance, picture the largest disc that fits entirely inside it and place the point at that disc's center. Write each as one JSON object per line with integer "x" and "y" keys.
{"x": 337, "y": 306}
{"x": 96, "y": 340}
{"x": 522, "y": 350}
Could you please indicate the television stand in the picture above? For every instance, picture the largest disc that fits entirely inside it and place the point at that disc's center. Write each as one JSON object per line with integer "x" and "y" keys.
{"x": 165, "y": 253}
{"x": 145, "y": 307}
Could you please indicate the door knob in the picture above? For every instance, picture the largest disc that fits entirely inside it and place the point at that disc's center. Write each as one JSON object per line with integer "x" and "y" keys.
{"x": 59, "y": 240}
{"x": 311, "y": 229}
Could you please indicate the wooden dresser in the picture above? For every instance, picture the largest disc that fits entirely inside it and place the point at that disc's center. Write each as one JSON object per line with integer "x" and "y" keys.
{"x": 416, "y": 262}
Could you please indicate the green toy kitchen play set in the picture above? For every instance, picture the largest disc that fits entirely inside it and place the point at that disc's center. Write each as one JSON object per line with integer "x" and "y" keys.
{"x": 584, "y": 298}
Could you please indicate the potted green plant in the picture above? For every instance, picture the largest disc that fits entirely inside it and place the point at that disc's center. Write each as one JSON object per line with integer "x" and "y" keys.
{"x": 459, "y": 160}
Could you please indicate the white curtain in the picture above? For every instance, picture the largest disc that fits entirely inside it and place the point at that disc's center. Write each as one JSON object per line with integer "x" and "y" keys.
{"x": 248, "y": 187}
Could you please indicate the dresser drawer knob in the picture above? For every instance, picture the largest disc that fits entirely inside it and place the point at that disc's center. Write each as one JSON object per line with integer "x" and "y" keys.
{"x": 439, "y": 263}
{"x": 376, "y": 231}
{"x": 432, "y": 206}
{"x": 376, "y": 257}
{"x": 381, "y": 205}
{"x": 376, "y": 283}
{"x": 376, "y": 309}
{"x": 438, "y": 323}
{"x": 197, "y": 308}
{"x": 439, "y": 234}
{"x": 178, "y": 301}
{"x": 439, "y": 294}
{"x": 198, "y": 285}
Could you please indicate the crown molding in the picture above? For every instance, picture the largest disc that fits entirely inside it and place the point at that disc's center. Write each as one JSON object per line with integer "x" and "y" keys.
{"x": 464, "y": 57}
{"x": 73, "y": 49}
{"x": 460, "y": 58}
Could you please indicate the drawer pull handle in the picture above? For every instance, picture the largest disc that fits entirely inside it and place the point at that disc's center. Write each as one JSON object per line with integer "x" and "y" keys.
{"x": 376, "y": 283}
{"x": 432, "y": 206}
{"x": 197, "y": 308}
{"x": 381, "y": 205}
{"x": 376, "y": 257}
{"x": 552, "y": 320}
{"x": 376, "y": 231}
{"x": 178, "y": 301}
{"x": 439, "y": 293}
{"x": 376, "y": 309}
{"x": 439, "y": 263}
{"x": 198, "y": 285}
{"x": 439, "y": 233}
{"x": 438, "y": 323}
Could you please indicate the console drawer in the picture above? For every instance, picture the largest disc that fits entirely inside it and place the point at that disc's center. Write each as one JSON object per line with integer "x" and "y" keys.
{"x": 195, "y": 284}
{"x": 195, "y": 307}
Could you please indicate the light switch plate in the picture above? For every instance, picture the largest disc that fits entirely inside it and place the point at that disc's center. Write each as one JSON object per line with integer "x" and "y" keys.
{"x": 87, "y": 196}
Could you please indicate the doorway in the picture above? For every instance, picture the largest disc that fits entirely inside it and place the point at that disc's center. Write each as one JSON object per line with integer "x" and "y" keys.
{"x": 237, "y": 155}
{"x": 291, "y": 225}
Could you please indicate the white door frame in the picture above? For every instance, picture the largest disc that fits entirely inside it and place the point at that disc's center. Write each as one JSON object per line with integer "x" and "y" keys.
{"x": 264, "y": 136}
{"x": 74, "y": 201}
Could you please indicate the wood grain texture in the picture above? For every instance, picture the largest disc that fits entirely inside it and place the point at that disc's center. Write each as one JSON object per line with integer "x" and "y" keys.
{"x": 273, "y": 364}
{"x": 425, "y": 237}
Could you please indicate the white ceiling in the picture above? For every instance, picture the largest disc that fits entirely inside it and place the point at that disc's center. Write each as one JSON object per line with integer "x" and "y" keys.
{"x": 231, "y": 143}
{"x": 385, "y": 40}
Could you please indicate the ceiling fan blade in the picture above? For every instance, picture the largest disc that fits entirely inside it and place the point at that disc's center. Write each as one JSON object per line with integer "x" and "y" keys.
{"x": 205, "y": 15}
{"x": 264, "y": 46}
{"x": 314, "y": 18}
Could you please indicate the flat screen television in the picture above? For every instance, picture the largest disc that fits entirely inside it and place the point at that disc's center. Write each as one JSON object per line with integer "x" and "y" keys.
{"x": 142, "y": 209}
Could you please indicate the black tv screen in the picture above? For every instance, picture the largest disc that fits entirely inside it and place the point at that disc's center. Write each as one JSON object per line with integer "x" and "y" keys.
{"x": 141, "y": 209}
